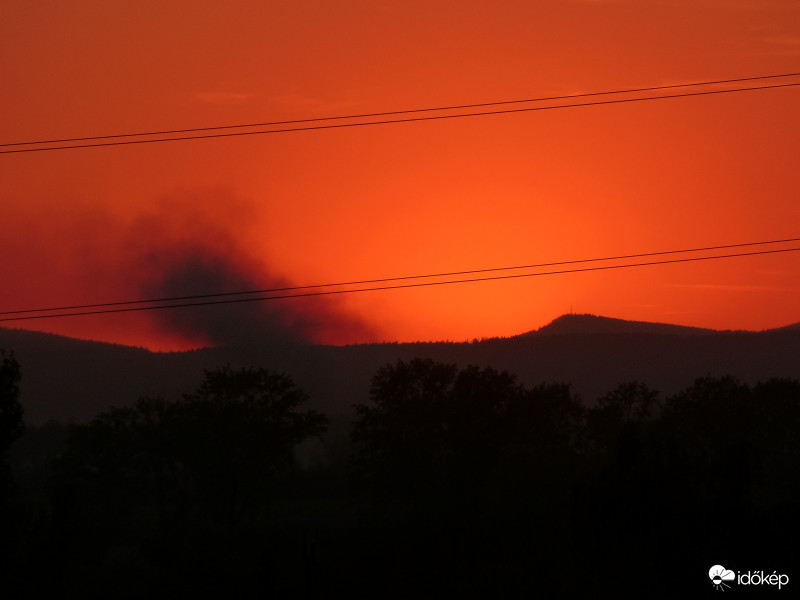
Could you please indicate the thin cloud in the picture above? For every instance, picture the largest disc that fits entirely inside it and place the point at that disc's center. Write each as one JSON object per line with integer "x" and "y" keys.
{"x": 225, "y": 98}
{"x": 722, "y": 287}
{"x": 784, "y": 41}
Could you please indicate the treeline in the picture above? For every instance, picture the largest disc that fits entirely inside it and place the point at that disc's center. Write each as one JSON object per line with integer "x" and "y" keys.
{"x": 451, "y": 481}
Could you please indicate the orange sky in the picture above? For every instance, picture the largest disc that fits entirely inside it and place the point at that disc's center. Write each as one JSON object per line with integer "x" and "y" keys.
{"x": 107, "y": 224}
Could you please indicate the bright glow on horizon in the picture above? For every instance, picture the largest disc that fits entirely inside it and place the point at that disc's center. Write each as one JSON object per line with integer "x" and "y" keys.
{"x": 208, "y": 216}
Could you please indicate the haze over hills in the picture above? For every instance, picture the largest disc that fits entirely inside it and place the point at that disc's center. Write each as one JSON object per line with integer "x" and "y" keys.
{"x": 72, "y": 380}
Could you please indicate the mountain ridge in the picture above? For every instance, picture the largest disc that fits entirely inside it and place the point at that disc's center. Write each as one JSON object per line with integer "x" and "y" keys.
{"x": 572, "y": 323}
{"x": 73, "y": 380}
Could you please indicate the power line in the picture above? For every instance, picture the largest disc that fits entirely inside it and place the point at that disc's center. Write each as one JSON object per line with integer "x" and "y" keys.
{"x": 392, "y": 279}
{"x": 396, "y": 121}
{"x": 402, "y": 286}
{"x": 402, "y": 112}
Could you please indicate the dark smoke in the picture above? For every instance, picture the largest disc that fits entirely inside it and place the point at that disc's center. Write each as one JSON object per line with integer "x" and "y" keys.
{"x": 195, "y": 270}
{"x": 206, "y": 257}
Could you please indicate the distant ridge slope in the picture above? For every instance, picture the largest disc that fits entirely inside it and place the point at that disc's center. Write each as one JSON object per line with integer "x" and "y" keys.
{"x": 571, "y": 324}
{"x": 73, "y": 380}
{"x": 792, "y": 327}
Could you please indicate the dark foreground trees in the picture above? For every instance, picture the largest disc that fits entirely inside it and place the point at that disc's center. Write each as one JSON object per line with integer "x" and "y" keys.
{"x": 713, "y": 473}
{"x": 433, "y": 424}
{"x": 11, "y": 425}
{"x": 467, "y": 470}
{"x": 466, "y": 483}
{"x": 171, "y": 491}
{"x": 522, "y": 491}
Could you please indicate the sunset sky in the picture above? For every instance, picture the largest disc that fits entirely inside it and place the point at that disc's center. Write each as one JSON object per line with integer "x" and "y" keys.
{"x": 141, "y": 221}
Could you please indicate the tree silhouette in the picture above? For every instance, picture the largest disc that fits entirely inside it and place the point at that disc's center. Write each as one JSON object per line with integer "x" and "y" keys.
{"x": 621, "y": 413}
{"x": 546, "y": 421}
{"x": 11, "y": 424}
{"x": 402, "y": 433}
{"x": 168, "y": 484}
{"x": 429, "y": 420}
{"x": 479, "y": 420}
{"x": 214, "y": 449}
{"x": 470, "y": 467}
{"x": 776, "y": 440}
{"x": 11, "y": 427}
{"x": 240, "y": 428}
{"x": 430, "y": 423}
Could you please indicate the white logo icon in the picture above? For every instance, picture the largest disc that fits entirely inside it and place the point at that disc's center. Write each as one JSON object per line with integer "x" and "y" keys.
{"x": 719, "y": 575}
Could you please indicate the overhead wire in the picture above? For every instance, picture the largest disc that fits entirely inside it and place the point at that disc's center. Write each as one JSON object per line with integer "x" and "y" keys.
{"x": 298, "y": 291}
{"x": 392, "y": 121}
{"x": 399, "y": 278}
{"x": 417, "y": 284}
{"x": 403, "y": 112}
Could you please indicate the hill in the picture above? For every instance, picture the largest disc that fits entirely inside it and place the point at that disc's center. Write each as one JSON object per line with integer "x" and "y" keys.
{"x": 72, "y": 380}
{"x": 586, "y": 323}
